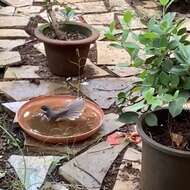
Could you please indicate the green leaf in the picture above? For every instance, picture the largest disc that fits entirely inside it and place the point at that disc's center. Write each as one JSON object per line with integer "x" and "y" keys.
{"x": 128, "y": 117}
{"x": 116, "y": 45}
{"x": 121, "y": 95}
{"x": 150, "y": 35}
{"x": 176, "y": 106}
{"x": 186, "y": 84}
{"x": 151, "y": 119}
{"x": 182, "y": 31}
{"x": 136, "y": 107}
{"x": 127, "y": 17}
{"x": 164, "y": 78}
{"x": 110, "y": 36}
{"x": 164, "y": 2}
{"x": 112, "y": 26}
{"x": 174, "y": 80}
{"x": 148, "y": 94}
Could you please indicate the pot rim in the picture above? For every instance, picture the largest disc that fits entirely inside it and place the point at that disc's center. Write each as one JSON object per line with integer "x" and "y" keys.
{"x": 156, "y": 145}
{"x": 92, "y": 38}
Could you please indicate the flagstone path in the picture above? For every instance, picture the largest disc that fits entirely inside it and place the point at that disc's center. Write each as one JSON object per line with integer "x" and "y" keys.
{"x": 24, "y": 75}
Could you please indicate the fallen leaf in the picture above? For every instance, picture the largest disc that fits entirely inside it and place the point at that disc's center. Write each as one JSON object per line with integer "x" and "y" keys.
{"x": 177, "y": 139}
{"x": 116, "y": 138}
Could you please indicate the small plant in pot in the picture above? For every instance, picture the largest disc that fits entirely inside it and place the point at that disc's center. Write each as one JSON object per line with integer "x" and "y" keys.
{"x": 157, "y": 103}
{"x": 66, "y": 42}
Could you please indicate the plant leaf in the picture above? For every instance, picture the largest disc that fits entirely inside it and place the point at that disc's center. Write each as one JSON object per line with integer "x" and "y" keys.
{"x": 164, "y": 2}
{"x": 176, "y": 106}
{"x": 128, "y": 117}
{"x": 151, "y": 119}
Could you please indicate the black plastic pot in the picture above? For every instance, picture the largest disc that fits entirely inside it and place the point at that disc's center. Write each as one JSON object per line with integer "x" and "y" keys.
{"x": 64, "y": 57}
{"x": 163, "y": 168}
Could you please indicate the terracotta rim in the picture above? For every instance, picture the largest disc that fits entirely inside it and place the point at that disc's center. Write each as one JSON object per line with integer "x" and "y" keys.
{"x": 92, "y": 38}
{"x": 50, "y": 139}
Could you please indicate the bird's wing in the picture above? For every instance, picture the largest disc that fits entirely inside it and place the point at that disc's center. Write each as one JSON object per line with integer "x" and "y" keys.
{"x": 74, "y": 109}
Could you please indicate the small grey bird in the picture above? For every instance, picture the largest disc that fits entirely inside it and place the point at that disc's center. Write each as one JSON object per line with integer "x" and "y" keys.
{"x": 71, "y": 111}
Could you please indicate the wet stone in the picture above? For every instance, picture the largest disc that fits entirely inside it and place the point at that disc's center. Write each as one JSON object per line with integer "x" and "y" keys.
{"x": 104, "y": 90}
{"x": 8, "y": 58}
{"x": 91, "y": 7}
{"x": 36, "y": 169}
{"x": 124, "y": 71}
{"x": 108, "y": 55}
{"x": 90, "y": 167}
{"x": 21, "y": 72}
{"x": 7, "y": 11}
{"x": 28, "y": 11}
{"x": 18, "y": 3}
{"x": 10, "y": 44}
{"x": 23, "y": 90}
{"x": 13, "y": 21}
{"x": 13, "y": 34}
{"x": 110, "y": 124}
{"x": 101, "y": 19}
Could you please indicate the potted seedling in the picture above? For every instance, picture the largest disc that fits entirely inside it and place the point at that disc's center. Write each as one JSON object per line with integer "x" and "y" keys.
{"x": 66, "y": 42}
{"x": 158, "y": 101}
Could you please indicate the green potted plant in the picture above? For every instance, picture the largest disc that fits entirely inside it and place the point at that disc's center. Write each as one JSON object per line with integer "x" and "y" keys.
{"x": 66, "y": 42}
{"x": 157, "y": 102}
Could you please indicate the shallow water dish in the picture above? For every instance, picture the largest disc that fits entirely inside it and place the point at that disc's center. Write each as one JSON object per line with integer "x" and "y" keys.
{"x": 59, "y": 132}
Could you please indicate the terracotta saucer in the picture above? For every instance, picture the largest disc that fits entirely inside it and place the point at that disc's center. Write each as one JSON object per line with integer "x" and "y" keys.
{"x": 35, "y": 104}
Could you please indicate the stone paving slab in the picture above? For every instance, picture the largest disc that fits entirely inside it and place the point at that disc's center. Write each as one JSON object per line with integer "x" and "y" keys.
{"x": 104, "y": 90}
{"x": 187, "y": 24}
{"x": 135, "y": 24}
{"x": 54, "y": 186}
{"x": 132, "y": 155}
{"x": 108, "y": 55}
{"x": 13, "y": 34}
{"x": 10, "y": 44}
{"x": 148, "y": 9}
{"x": 90, "y": 167}
{"x": 102, "y": 30}
{"x": 91, "y": 70}
{"x": 13, "y": 106}
{"x": 28, "y": 11}
{"x": 35, "y": 168}
{"x": 13, "y": 21}
{"x": 21, "y": 72}
{"x": 8, "y": 58}
{"x": 119, "y": 5}
{"x": 18, "y": 3}
{"x": 124, "y": 71}
{"x": 91, "y": 7}
{"x": 128, "y": 176}
{"x": 7, "y": 11}
{"x": 101, "y": 19}
{"x": 40, "y": 48}
{"x": 24, "y": 90}
{"x": 110, "y": 124}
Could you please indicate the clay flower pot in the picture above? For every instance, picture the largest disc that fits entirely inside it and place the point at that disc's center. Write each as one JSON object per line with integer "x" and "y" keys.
{"x": 32, "y": 107}
{"x": 64, "y": 57}
{"x": 163, "y": 168}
